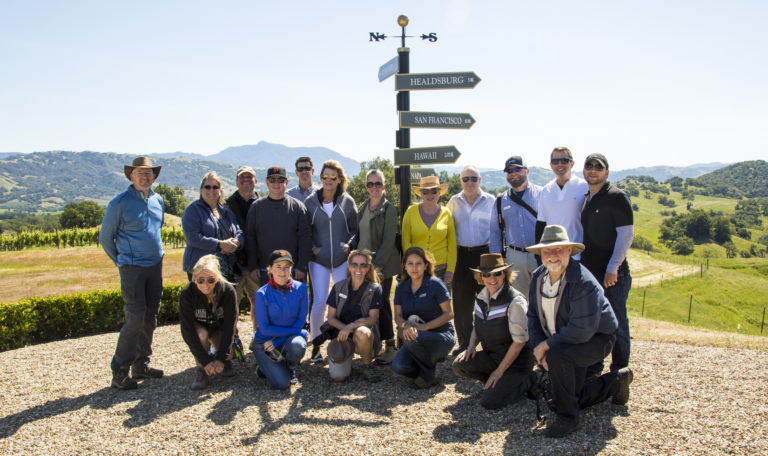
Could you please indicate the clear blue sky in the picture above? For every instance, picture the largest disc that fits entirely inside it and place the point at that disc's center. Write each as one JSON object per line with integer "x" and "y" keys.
{"x": 646, "y": 83}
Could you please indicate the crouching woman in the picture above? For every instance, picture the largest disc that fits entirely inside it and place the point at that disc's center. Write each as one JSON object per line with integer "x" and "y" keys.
{"x": 208, "y": 314}
{"x": 281, "y": 308}
{"x": 501, "y": 326}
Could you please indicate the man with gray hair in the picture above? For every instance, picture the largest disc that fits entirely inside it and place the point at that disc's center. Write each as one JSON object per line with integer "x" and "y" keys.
{"x": 513, "y": 225}
{"x": 471, "y": 210}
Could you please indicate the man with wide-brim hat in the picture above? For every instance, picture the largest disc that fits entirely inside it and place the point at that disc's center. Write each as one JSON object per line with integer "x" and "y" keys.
{"x": 130, "y": 235}
{"x": 501, "y": 326}
{"x": 428, "y": 183}
{"x": 571, "y": 326}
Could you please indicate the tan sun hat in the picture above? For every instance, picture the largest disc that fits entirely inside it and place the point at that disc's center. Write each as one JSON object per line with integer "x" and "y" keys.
{"x": 491, "y": 262}
{"x": 430, "y": 182}
{"x": 553, "y": 236}
{"x": 141, "y": 162}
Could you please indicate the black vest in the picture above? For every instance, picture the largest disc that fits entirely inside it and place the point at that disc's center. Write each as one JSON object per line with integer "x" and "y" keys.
{"x": 492, "y": 326}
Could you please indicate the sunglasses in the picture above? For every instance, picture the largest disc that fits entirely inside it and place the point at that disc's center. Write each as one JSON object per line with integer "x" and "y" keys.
{"x": 374, "y": 184}
{"x": 469, "y": 178}
{"x": 560, "y": 161}
{"x": 276, "y": 180}
{"x": 303, "y": 168}
{"x": 202, "y": 280}
{"x": 430, "y": 191}
{"x": 211, "y": 187}
{"x": 328, "y": 176}
{"x": 513, "y": 169}
{"x": 494, "y": 274}
{"x": 597, "y": 166}
{"x": 358, "y": 265}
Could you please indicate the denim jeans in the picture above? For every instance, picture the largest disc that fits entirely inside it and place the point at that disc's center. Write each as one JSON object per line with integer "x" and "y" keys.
{"x": 279, "y": 373}
{"x": 418, "y": 358}
{"x": 617, "y": 296}
{"x": 142, "y": 289}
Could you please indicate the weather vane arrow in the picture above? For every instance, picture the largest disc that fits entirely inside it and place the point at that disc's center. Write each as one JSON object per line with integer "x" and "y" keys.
{"x": 402, "y": 21}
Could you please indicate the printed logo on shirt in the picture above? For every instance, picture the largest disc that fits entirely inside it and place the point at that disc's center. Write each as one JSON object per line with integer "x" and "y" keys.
{"x": 342, "y": 295}
{"x": 201, "y": 314}
{"x": 423, "y": 295}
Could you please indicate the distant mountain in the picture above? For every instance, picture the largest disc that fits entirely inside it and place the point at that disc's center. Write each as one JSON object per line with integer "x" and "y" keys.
{"x": 4, "y": 155}
{"x": 179, "y": 154}
{"x": 264, "y": 155}
{"x": 47, "y": 181}
{"x": 744, "y": 179}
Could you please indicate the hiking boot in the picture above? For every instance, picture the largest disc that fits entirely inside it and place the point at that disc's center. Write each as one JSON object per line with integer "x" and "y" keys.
{"x": 387, "y": 356}
{"x": 122, "y": 381}
{"x": 371, "y": 373}
{"x": 625, "y": 378}
{"x": 292, "y": 374}
{"x": 259, "y": 373}
{"x": 420, "y": 383}
{"x": 201, "y": 380}
{"x": 144, "y": 371}
{"x": 228, "y": 371}
{"x": 561, "y": 426}
{"x": 316, "y": 357}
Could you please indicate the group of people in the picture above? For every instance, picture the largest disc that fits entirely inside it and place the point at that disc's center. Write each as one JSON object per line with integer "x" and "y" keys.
{"x": 534, "y": 277}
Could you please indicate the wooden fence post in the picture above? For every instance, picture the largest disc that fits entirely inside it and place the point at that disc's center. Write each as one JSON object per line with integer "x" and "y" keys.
{"x": 642, "y": 311}
{"x": 762, "y": 323}
{"x": 690, "y": 306}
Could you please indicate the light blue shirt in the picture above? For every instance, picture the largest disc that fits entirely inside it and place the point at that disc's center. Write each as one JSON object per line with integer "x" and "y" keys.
{"x": 472, "y": 222}
{"x": 519, "y": 223}
{"x": 300, "y": 195}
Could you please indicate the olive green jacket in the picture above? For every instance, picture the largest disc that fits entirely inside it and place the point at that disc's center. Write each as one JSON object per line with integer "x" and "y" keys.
{"x": 384, "y": 227}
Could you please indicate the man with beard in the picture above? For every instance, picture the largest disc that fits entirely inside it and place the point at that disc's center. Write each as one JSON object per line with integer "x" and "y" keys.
{"x": 515, "y": 214}
{"x": 607, "y": 221}
{"x": 561, "y": 199}
{"x": 571, "y": 327}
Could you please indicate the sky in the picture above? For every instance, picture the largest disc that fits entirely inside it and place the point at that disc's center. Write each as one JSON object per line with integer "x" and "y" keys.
{"x": 646, "y": 83}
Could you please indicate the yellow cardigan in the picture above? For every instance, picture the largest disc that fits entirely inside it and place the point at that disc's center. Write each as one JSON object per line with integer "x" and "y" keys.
{"x": 439, "y": 239}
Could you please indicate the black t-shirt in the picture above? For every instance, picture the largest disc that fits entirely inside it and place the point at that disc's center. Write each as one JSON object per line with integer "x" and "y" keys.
{"x": 607, "y": 210}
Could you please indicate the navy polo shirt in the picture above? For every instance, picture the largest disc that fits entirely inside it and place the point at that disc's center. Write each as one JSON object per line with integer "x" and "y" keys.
{"x": 425, "y": 302}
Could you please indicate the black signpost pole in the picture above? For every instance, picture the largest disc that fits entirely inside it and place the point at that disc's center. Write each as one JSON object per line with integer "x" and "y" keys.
{"x": 403, "y": 139}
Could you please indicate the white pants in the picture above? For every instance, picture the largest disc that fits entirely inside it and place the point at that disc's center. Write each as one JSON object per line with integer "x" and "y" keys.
{"x": 321, "y": 283}
{"x": 524, "y": 263}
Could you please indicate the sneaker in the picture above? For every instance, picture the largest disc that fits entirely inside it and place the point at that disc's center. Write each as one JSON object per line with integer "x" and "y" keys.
{"x": 201, "y": 380}
{"x": 144, "y": 371}
{"x": 316, "y": 357}
{"x": 457, "y": 350}
{"x": 387, "y": 356}
{"x": 228, "y": 371}
{"x": 561, "y": 426}
{"x": 371, "y": 373}
{"x": 420, "y": 383}
{"x": 625, "y": 378}
{"x": 122, "y": 381}
{"x": 292, "y": 373}
{"x": 259, "y": 373}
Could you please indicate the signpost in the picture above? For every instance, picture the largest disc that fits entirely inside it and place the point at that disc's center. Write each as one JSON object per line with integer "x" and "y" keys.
{"x": 427, "y": 81}
{"x": 417, "y": 119}
{"x": 418, "y": 173}
{"x": 426, "y": 155}
{"x": 388, "y": 69}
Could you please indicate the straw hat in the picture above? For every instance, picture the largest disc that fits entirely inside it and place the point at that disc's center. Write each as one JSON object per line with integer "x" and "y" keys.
{"x": 553, "y": 236}
{"x": 430, "y": 182}
{"x": 491, "y": 262}
{"x": 141, "y": 162}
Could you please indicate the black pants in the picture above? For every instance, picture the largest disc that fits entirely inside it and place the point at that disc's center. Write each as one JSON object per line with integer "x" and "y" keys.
{"x": 568, "y": 369}
{"x": 386, "y": 331}
{"x": 513, "y": 384}
{"x": 465, "y": 287}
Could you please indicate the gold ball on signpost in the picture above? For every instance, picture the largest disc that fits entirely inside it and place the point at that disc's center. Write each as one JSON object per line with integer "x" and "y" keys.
{"x": 402, "y": 20}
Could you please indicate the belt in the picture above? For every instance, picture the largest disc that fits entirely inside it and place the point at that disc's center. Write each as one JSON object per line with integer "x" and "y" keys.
{"x": 479, "y": 248}
{"x": 519, "y": 249}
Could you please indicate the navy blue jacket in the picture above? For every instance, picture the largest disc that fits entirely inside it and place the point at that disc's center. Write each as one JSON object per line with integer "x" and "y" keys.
{"x": 200, "y": 231}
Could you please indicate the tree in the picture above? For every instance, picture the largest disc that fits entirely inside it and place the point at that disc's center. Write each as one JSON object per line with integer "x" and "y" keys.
{"x": 175, "y": 201}
{"x": 682, "y": 246}
{"x": 721, "y": 230}
{"x": 85, "y": 214}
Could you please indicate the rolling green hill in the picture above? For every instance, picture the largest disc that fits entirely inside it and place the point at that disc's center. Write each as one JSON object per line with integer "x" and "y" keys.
{"x": 744, "y": 179}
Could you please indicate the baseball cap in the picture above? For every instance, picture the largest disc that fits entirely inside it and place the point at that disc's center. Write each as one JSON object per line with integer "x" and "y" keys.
{"x": 276, "y": 171}
{"x": 515, "y": 160}
{"x": 598, "y": 157}
{"x": 245, "y": 169}
{"x": 280, "y": 255}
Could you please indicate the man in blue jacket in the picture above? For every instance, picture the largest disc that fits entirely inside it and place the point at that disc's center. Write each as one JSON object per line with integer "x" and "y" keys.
{"x": 130, "y": 235}
{"x": 571, "y": 326}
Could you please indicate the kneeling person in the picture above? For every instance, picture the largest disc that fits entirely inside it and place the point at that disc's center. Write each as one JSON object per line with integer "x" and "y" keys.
{"x": 208, "y": 314}
{"x": 353, "y": 310}
{"x": 501, "y": 326}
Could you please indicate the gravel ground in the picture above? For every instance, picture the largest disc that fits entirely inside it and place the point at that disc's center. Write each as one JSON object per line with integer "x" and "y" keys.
{"x": 686, "y": 400}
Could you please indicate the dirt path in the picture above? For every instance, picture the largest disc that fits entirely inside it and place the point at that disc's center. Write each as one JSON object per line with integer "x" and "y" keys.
{"x": 649, "y": 271}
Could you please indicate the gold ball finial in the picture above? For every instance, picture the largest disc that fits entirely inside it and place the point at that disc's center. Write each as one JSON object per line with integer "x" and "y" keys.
{"x": 402, "y": 20}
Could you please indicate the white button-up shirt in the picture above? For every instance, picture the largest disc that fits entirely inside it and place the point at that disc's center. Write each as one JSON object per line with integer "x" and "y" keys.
{"x": 473, "y": 223}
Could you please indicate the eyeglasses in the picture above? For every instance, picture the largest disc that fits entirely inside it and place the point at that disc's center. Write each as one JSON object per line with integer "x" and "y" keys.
{"x": 560, "y": 161}
{"x": 358, "y": 265}
{"x": 374, "y": 184}
{"x": 430, "y": 191}
{"x": 276, "y": 180}
{"x": 494, "y": 274}
{"x": 303, "y": 168}
{"x": 211, "y": 187}
{"x": 514, "y": 169}
{"x": 282, "y": 268}
{"x": 202, "y": 280}
{"x": 469, "y": 178}
{"x": 597, "y": 166}
{"x": 328, "y": 176}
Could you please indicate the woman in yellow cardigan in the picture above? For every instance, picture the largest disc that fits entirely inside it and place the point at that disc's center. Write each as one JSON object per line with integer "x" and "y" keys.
{"x": 430, "y": 226}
